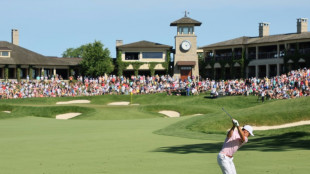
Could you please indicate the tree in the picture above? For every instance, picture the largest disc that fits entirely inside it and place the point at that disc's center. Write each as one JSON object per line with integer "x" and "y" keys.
{"x": 74, "y": 52}
{"x": 96, "y": 60}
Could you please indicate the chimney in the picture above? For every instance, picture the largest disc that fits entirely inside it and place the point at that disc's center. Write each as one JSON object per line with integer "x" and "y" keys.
{"x": 15, "y": 37}
{"x": 302, "y": 25}
{"x": 263, "y": 29}
{"x": 119, "y": 42}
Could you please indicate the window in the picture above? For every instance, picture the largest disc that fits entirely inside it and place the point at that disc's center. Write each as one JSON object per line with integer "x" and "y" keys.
{"x": 4, "y": 54}
{"x": 186, "y": 30}
{"x": 132, "y": 56}
{"x": 186, "y": 68}
{"x": 152, "y": 55}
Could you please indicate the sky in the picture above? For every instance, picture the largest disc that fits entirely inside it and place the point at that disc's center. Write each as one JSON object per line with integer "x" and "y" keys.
{"x": 49, "y": 27}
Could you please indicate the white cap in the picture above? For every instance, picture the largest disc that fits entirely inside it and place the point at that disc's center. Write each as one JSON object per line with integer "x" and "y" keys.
{"x": 249, "y": 129}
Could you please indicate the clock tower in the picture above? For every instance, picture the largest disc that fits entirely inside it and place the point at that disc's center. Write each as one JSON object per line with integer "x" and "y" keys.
{"x": 185, "y": 58}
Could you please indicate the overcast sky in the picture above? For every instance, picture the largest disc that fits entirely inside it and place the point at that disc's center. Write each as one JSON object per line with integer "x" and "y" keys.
{"x": 49, "y": 27}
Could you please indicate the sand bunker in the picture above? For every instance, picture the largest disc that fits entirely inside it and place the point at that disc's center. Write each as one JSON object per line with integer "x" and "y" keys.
{"x": 67, "y": 116}
{"x": 7, "y": 112}
{"x": 170, "y": 113}
{"x": 73, "y": 102}
{"x": 300, "y": 123}
{"x": 118, "y": 103}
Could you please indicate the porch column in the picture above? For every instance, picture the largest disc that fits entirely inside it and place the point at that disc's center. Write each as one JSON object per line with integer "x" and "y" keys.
{"x": 247, "y": 72}
{"x": 278, "y": 51}
{"x": 257, "y": 49}
{"x": 267, "y": 70}
{"x": 42, "y": 72}
{"x": 14, "y": 75}
{"x": 54, "y": 72}
{"x": 256, "y": 71}
{"x": 214, "y": 52}
{"x": 27, "y": 72}
{"x": 278, "y": 69}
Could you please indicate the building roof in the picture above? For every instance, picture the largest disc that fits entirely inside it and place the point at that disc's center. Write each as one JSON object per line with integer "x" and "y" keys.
{"x": 4, "y": 48}
{"x": 258, "y": 40}
{"x": 22, "y": 56}
{"x": 186, "y": 20}
{"x": 144, "y": 44}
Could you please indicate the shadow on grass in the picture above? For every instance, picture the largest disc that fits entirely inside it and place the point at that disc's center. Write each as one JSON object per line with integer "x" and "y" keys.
{"x": 283, "y": 142}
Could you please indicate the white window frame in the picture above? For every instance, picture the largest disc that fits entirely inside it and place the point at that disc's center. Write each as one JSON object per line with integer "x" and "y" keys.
{"x": 9, "y": 53}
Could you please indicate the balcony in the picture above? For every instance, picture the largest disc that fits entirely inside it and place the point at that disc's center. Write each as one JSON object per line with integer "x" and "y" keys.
{"x": 267, "y": 55}
{"x": 223, "y": 57}
{"x": 252, "y": 56}
{"x": 301, "y": 51}
{"x": 304, "y": 51}
{"x": 208, "y": 58}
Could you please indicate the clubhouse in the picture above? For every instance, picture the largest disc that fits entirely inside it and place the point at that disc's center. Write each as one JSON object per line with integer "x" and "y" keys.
{"x": 15, "y": 59}
{"x": 262, "y": 56}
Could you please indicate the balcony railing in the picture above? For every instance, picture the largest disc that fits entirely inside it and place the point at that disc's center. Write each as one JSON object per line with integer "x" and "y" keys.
{"x": 301, "y": 51}
{"x": 208, "y": 58}
{"x": 252, "y": 56}
{"x": 304, "y": 51}
{"x": 268, "y": 55}
{"x": 223, "y": 57}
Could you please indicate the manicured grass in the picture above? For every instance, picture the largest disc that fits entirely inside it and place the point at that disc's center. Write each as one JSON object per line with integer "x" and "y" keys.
{"x": 136, "y": 139}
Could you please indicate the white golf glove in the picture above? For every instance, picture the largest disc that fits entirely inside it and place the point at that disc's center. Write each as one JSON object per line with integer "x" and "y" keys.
{"x": 235, "y": 122}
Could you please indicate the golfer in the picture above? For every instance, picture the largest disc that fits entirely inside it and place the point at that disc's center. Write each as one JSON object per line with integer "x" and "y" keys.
{"x": 234, "y": 140}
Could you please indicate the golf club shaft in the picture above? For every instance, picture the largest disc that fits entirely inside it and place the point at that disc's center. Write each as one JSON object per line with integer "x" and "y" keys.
{"x": 227, "y": 113}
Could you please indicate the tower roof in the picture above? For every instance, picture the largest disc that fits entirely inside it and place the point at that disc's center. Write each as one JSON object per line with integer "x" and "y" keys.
{"x": 186, "y": 20}
{"x": 144, "y": 44}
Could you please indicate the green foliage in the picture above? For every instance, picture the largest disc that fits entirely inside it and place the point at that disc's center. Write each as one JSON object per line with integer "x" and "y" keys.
{"x": 6, "y": 72}
{"x": 18, "y": 74}
{"x": 121, "y": 66}
{"x": 152, "y": 67}
{"x": 96, "y": 60}
{"x": 167, "y": 62}
{"x": 30, "y": 73}
{"x": 202, "y": 65}
{"x": 74, "y": 52}
{"x": 136, "y": 66}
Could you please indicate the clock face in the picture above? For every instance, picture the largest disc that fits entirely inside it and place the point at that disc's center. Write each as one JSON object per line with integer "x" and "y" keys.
{"x": 185, "y": 45}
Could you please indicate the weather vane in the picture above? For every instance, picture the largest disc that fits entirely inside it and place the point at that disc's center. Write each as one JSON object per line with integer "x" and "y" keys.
{"x": 186, "y": 13}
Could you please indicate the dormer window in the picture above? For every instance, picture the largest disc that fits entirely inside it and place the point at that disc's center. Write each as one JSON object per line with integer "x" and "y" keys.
{"x": 4, "y": 54}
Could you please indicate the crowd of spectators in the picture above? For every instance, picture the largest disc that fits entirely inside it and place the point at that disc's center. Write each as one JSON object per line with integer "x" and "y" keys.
{"x": 291, "y": 85}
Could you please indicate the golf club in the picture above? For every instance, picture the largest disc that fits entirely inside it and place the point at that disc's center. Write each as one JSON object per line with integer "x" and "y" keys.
{"x": 227, "y": 113}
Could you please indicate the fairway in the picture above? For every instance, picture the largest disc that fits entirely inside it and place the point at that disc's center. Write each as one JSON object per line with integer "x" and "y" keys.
{"x": 137, "y": 139}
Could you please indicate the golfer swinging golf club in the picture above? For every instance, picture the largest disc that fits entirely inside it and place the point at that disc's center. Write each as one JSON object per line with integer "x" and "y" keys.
{"x": 234, "y": 140}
